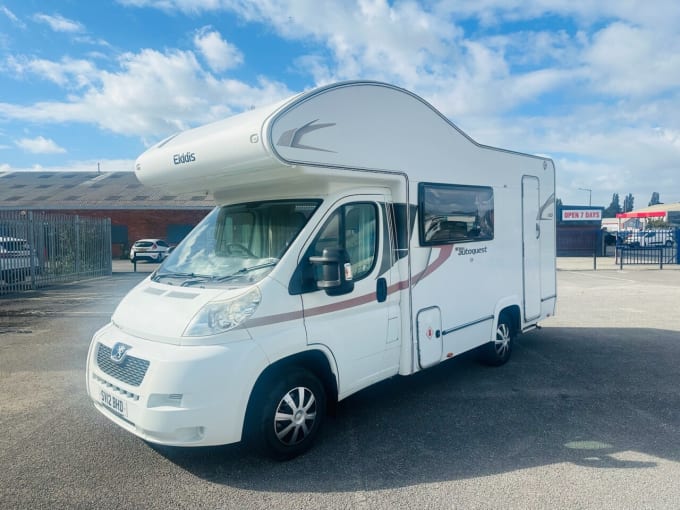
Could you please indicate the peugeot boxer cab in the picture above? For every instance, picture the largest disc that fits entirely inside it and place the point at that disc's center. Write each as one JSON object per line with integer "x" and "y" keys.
{"x": 184, "y": 349}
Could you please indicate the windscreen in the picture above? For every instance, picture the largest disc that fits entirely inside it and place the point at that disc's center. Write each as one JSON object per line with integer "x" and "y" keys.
{"x": 238, "y": 242}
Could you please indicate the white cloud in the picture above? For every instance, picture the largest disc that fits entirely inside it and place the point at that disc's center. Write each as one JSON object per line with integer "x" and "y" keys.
{"x": 595, "y": 147}
{"x": 401, "y": 42}
{"x": 12, "y": 17}
{"x": 59, "y": 24}
{"x": 105, "y": 165}
{"x": 40, "y": 145}
{"x": 366, "y": 38}
{"x": 628, "y": 60}
{"x": 150, "y": 95}
{"x": 220, "y": 54}
{"x": 66, "y": 72}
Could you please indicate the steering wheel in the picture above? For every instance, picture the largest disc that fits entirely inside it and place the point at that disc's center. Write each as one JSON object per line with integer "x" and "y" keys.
{"x": 238, "y": 249}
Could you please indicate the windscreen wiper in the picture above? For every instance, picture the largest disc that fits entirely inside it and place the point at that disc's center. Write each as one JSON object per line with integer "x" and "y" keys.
{"x": 156, "y": 277}
{"x": 245, "y": 270}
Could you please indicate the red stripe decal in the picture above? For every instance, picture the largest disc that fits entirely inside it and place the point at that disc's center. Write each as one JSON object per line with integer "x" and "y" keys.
{"x": 273, "y": 319}
{"x": 444, "y": 254}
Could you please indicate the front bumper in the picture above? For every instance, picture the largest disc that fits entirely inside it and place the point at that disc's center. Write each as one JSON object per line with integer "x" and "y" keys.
{"x": 173, "y": 395}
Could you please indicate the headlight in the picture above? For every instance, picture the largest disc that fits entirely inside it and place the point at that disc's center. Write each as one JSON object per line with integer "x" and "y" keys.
{"x": 220, "y": 316}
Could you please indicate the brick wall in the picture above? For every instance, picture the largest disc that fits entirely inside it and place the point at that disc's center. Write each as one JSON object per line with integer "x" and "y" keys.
{"x": 145, "y": 223}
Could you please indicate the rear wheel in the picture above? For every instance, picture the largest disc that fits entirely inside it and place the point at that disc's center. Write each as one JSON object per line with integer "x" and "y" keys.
{"x": 498, "y": 351}
{"x": 290, "y": 414}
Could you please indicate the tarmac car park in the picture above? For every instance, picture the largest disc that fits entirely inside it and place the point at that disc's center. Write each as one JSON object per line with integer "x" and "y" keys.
{"x": 586, "y": 416}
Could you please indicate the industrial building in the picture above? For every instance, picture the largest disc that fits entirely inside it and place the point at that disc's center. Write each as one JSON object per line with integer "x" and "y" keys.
{"x": 135, "y": 211}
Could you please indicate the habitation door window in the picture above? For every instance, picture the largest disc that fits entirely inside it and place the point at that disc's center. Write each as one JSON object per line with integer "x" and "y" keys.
{"x": 455, "y": 213}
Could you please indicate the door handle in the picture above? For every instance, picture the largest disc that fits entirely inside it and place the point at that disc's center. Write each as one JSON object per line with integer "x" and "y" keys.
{"x": 381, "y": 290}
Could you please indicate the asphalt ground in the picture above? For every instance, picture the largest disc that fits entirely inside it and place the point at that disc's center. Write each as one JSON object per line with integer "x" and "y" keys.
{"x": 585, "y": 415}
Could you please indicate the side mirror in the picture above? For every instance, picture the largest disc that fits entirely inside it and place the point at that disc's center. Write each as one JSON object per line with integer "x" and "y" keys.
{"x": 336, "y": 271}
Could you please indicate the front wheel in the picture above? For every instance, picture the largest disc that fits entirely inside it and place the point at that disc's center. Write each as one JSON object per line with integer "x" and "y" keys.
{"x": 497, "y": 352}
{"x": 290, "y": 414}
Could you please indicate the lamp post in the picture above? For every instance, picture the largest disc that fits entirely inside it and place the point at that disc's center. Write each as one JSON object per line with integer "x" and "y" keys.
{"x": 590, "y": 195}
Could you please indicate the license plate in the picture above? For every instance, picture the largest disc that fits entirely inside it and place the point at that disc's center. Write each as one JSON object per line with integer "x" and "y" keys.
{"x": 117, "y": 405}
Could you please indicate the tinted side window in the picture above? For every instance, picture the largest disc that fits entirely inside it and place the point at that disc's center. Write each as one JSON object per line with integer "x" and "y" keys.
{"x": 403, "y": 219}
{"x": 455, "y": 213}
{"x": 354, "y": 228}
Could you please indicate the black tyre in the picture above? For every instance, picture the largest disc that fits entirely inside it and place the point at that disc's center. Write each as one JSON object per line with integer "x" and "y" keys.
{"x": 290, "y": 414}
{"x": 497, "y": 352}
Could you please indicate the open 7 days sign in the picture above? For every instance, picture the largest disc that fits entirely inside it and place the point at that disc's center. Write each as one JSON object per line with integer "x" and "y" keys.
{"x": 581, "y": 214}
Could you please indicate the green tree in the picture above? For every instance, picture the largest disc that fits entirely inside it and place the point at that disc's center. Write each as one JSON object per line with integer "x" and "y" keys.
{"x": 614, "y": 208}
{"x": 628, "y": 203}
{"x": 655, "y": 199}
{"x": 656, "y": 223}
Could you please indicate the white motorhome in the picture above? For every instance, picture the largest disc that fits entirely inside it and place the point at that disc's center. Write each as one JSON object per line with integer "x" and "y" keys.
{"x": 359, "y": 235}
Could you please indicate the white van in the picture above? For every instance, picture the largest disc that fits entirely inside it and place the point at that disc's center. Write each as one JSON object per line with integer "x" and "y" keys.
{"x": 360, "y": 235}
{"x": 647, "y": 238}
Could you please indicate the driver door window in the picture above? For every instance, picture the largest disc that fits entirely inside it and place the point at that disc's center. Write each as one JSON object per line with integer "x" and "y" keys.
{"x": 353, "y": 227}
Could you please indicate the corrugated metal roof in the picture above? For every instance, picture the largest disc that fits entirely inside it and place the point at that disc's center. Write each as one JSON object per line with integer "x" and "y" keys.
{"x": 89, "y": 190}
{"x": 660, "y": 207}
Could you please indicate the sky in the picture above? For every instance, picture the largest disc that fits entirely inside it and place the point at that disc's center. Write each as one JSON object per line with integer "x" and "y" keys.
{"x": 87, "y": 85}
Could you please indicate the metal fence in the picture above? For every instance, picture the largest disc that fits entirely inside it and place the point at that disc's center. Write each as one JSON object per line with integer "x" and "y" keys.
{"x": 657, "y": 247}
{"x": 38, "y": 249}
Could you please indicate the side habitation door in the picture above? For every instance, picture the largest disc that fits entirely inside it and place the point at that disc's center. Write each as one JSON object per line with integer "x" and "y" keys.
{"x": 531, "y": 247}
{"x": 358, "y": 322}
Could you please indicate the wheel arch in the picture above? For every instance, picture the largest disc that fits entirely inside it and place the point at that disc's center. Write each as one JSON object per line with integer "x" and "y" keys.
{"x": 511, "y": 310}
{"x": 313, "y": 360}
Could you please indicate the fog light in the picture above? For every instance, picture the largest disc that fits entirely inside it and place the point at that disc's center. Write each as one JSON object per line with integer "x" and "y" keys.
{"x": 188, "y": 434}
{"x": 164, "y": 400}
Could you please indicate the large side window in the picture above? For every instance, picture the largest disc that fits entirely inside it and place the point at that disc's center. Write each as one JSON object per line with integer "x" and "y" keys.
{"x": 455, "y": 213}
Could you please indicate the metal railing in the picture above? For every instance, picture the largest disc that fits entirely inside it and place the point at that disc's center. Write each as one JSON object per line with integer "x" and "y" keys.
{"x": 647, "y": 247}
{"x": 38, "y": 249}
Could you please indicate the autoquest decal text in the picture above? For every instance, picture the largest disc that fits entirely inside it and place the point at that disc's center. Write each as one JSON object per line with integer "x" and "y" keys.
{"x": 470, "y": 251}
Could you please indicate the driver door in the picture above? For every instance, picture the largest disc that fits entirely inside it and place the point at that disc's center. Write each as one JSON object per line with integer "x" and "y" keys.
{"x": 355, "y": 325}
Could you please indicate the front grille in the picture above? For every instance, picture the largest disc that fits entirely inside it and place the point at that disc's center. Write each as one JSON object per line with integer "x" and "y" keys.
{"x": 116, "y": 389}
{"x": 131, "y": 371}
